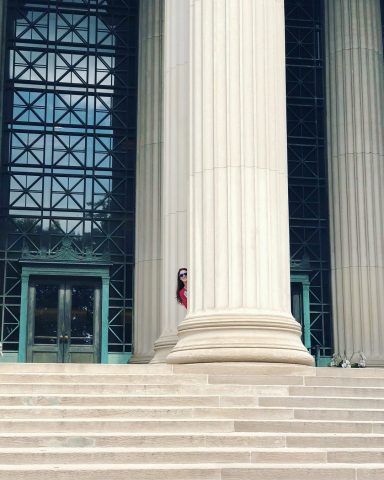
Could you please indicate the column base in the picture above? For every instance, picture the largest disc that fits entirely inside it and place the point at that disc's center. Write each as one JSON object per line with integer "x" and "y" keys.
{"x": 163, "y": 347}
{"x": 140, "y": 358}
{"x": 240, "y": 337}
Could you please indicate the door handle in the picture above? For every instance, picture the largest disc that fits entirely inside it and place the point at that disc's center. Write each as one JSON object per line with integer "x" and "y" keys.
{"x": 64, "y": 338}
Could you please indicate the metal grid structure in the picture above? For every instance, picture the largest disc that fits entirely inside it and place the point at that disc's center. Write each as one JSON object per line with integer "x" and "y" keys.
{"x": 307, "y": 172}
{"x": 69, "y": 122}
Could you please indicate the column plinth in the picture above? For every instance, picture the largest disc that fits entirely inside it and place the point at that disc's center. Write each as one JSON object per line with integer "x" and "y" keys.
{"x": 240, "y": 337}
{"x": 239, "y": 279}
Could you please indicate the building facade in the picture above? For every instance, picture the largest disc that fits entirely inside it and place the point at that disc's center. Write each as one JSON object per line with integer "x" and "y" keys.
{"x": 240, "y": 139}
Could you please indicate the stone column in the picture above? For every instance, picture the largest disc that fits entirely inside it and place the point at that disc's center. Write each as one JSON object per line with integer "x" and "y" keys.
{"x": 355, "y": 123}
{"x": 239, "y": 282}
{"x": 175, "y": 177}
{"x": 148, "y": 178}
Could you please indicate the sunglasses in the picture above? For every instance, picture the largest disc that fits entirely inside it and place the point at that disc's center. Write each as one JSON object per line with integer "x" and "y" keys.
{"x": 183, "y": 274}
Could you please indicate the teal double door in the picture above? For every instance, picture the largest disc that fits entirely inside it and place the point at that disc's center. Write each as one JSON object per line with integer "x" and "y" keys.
{"x": 64, "y": 316}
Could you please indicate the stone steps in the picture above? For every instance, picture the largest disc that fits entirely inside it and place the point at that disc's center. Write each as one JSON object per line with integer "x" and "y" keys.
{"x": 78, "y": 426}
{"x": 132, "y": 400}
{"x": 188, "y": 425}
{"x": 200, "y": 369}
{"x": 85, "y": 368}
{"x": 345, "y": 382}
{"x": 326, "y": 402}
{"x": 311, "y": 426}
{"x": 344, "y": 392}
{"x": 169, "y": 413}
{"x": 107, "y": 379}
{"x": 190, "y": 440}
{"x": 160, "y": 413}
{"x": 54, "y": 399}
{"x": 142, "y": 389}
{"x": 194, "y": 389}
{"x": 185, "y": 455}
{"x": 193, "y": 472}
{"x": 227, "y": 422}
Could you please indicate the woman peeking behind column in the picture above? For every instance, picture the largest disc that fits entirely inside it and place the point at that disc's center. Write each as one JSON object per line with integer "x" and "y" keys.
{"x": 182, "y": 284}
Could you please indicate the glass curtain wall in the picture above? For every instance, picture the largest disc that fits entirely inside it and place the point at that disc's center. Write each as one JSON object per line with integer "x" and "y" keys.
{"x": 68, "y": 152}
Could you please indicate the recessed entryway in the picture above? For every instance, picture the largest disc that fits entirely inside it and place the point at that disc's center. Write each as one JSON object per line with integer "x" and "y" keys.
{"x": 64, "y": 313}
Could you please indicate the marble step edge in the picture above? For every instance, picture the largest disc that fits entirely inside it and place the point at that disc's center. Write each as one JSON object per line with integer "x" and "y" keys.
{"x": 95, "y": 375}
{"x": 103, "y": 466}
{"x": 78, "y": 468}
{"x": 111, "y": 397}
{"x": 191, "y": 455}
{"x": 230, "y": 439}
{"x": 85, "y": 368}
{"x": 257, "y": 439}
{"x": 40, "y": 400}
{"x": 333, "y": 381}
{"x": 261, "y": 397}
{"x": 142, "y": 389}
{"x": 191, "y": 380}
{"x": 158, "y": 435}
{"x": 12, "y": 382}
{"x": 152, "y": 379}
{"x": 209, "y": 389}
{"x": 160, "y": 449}
{"x": 182, "y": 408}
{"x": 336, "y": 391}
{"x": 26, "y": 413}
{"x": 229, "y": 368}
{"x": 152, "y": 396}
{"x": 253, "y": 440}
{"x": 184, "y": 425}
{"x": 194, "y": 472}
{"x": 156, "y": 422}
{"x": 198, "y": 455}
{"x": 311, "y": 380}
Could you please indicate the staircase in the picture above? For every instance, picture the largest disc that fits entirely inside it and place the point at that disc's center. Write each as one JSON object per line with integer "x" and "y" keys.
{"x": 184, "y": 422}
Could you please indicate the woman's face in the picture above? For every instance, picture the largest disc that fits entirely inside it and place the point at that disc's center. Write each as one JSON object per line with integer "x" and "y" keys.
{"x": 183, "y": 277}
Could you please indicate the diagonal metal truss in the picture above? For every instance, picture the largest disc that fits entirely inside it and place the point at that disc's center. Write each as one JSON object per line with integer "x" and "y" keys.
{"x": 308, "y": 199}
{"x": 68, "y": 169}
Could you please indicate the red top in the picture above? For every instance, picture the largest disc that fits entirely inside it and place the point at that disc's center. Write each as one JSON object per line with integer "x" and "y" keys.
{"x": 183, "y": 296}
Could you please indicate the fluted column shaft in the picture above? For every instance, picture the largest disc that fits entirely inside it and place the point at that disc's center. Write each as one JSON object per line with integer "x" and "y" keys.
{"x": 239, "y": 301}
{"x": 175, "y": 170}
{"x": 148, "y": 181}
{"x": 355, "y": 108}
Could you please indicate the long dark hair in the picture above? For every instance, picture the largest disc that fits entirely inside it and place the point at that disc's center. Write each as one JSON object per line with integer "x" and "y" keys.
{"x": 180, "y": 285}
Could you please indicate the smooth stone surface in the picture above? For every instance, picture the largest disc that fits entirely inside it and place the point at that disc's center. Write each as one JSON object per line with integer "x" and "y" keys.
{"x": 325, "y": 402}
{"x": 289, "y": 472}
{"x": 337, "y": 391}
{"x": 306, "y": 426}
{"x": 246, "y": 368}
